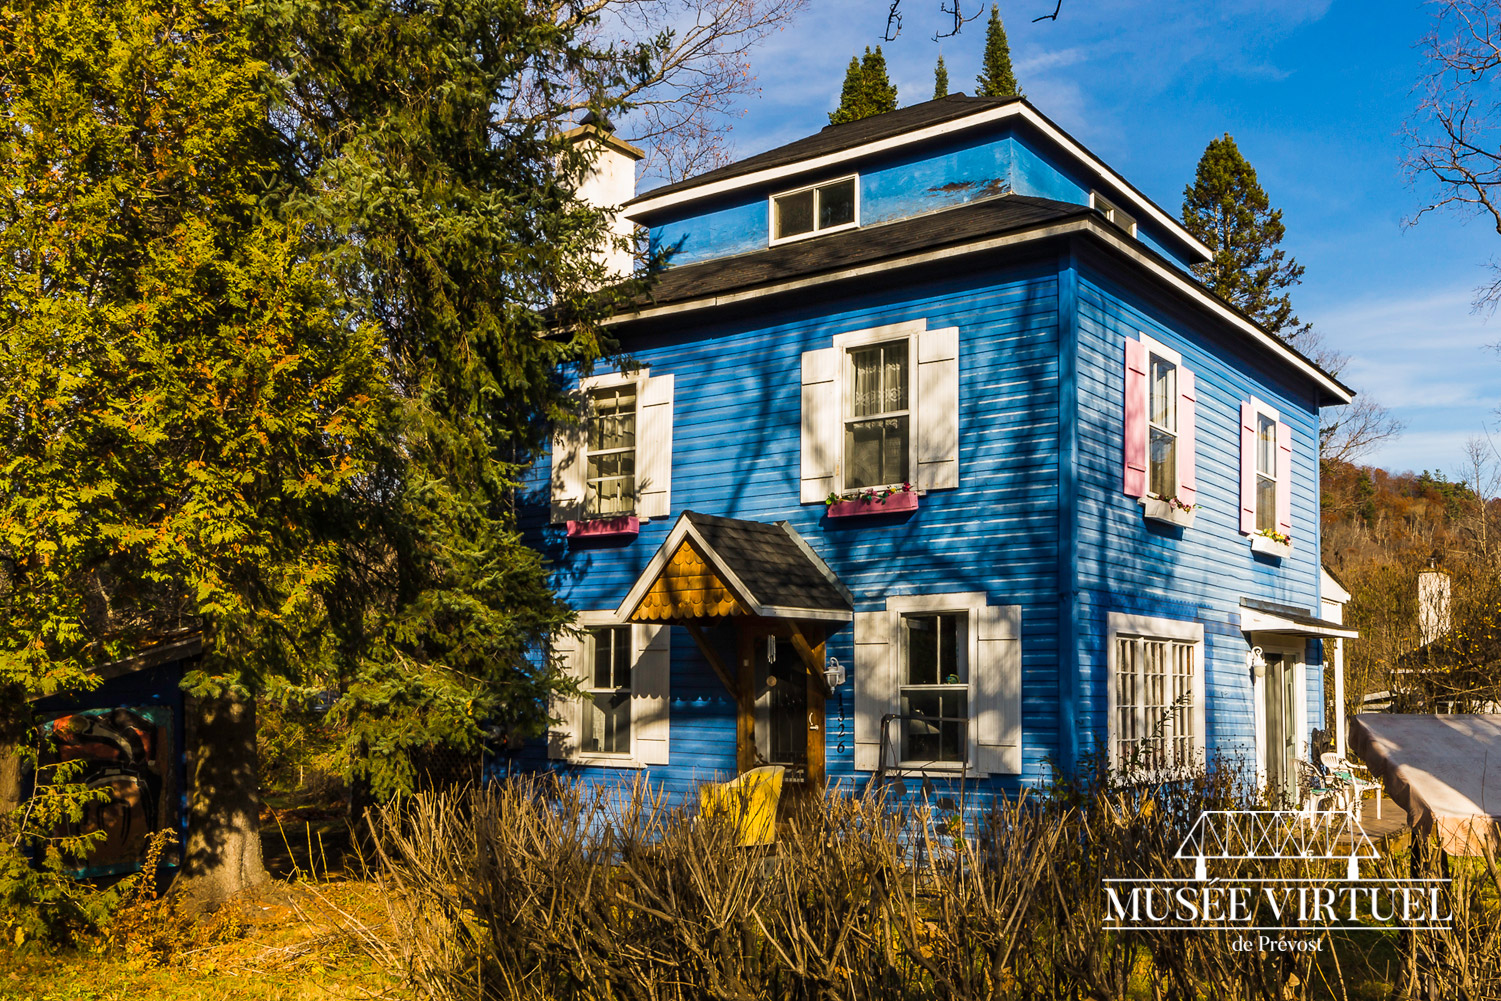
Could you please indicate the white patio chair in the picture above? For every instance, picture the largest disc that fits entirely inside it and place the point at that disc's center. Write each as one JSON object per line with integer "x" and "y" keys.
{"x": 1353, "y": 779}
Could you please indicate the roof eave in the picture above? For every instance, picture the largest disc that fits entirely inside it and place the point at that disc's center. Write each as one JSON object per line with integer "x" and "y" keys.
{"x": 1087, "y": 223}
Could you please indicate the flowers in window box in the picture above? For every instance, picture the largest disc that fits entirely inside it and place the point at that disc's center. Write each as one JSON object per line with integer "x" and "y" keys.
{"x": 1178, "y": 505}
{"x": 871, "y": 495}
{"x": 1275, "y": 536}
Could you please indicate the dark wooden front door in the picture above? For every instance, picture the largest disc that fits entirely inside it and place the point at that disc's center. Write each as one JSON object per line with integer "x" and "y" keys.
{"x": 781, "y": 707}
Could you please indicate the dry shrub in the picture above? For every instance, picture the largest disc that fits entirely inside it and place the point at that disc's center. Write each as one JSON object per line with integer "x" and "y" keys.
{"x": 545, "y": 889}
{"x": 152, "y": 930}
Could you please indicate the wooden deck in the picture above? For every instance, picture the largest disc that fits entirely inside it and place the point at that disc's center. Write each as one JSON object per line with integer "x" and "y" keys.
{"x": 1391, "y": 825}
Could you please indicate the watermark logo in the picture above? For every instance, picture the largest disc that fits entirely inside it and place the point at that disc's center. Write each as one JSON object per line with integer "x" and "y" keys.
{"x": 1317, "y": 900}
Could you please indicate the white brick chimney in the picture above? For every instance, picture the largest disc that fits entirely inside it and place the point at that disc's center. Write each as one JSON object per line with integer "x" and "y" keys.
{"x": 1433, "y": 604}
{"x": 609, "y": 183}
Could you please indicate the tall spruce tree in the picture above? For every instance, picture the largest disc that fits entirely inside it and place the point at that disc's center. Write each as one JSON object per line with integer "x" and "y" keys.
{"x": 1227, "y": 209}
{"x": 996, "y": 77}
{"x": 867, "y": 89}
{"x": 940, "y": 80}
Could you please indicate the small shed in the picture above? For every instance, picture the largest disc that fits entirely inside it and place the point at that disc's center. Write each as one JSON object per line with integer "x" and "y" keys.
{"x": 128, "y": 731}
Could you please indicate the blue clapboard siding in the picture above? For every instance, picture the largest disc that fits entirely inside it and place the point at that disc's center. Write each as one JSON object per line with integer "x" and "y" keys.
{"x": 737, "y": 412}
{"x": 974, "y": 164}
{"x": 1128, "y": 565}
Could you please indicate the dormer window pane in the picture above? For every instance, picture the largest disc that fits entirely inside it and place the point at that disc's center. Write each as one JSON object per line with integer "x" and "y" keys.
{"x": 836, "y": 204}
{"x": 831, "y": 205}
{"x": 795, "y": 214}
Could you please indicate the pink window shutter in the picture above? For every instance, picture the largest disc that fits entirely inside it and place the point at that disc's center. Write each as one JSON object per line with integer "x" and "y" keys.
{"x": 1188, "y": 480}
{"x": 1247, "y": 468}
{"x": 1284, "y": 479}
{"x": 1134, "y": 474}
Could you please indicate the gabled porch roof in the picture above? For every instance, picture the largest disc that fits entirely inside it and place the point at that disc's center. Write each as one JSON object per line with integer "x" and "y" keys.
{"x": 715, "y": 568}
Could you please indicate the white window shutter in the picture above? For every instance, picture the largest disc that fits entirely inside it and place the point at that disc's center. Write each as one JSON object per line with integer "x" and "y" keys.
{"x": 570, "y": 477}
{"x": 938, "y": 409}
{"x": 821, "y": 431}
{"x": 875, "y": 686}
{"x": 997, "y": 686}
{"x": 563, "y": 737}
{"x": 651, "y": 675}
{"x": 654, "y": 449}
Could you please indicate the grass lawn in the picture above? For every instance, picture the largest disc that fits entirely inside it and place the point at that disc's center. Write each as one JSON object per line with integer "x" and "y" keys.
{"x": 281, "y": 945}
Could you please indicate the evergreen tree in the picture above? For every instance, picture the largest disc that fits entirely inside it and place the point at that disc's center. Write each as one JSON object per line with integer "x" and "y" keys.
{"x": 851, "y": 95}
{"x": 867, "y": 89}
{"x": 880, "y": 93}
{"x": 996, "y": 78}
{"x": 940, "y": 80}
{"x": 1226, "y": 208}
{"x": 188, "y": 400}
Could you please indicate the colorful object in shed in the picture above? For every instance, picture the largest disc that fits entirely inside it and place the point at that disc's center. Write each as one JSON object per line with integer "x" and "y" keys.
{"x": 129, "y": 752}
{"x": 752, "y": 799}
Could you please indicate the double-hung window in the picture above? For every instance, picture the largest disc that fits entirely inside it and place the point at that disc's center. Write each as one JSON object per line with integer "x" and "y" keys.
{"x": 1266, "y": 470}
{"x": 935, "y": 688}
{"x": 605, "y": 723}
{"x": 620, "y": 717}
{"x": 1156, "y": 693}
{"x": 612, "y": 451}
{"x": 815, "y": 209}
{"x": 1266, "y": 473}
{"x": 938, "y": 685}
{"x": 881, "y": 408}
{"x": 1161, "y": 400}
{"x": 1162, "y": 426}
{"x": 878, "y": 418}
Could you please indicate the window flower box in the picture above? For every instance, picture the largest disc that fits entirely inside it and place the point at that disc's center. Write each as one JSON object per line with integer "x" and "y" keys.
{"x": 1276, "y": 545}
{"x": 624, "y": 525}
{"x": 897, "y": 502}
{"x": 1169, "y": 511}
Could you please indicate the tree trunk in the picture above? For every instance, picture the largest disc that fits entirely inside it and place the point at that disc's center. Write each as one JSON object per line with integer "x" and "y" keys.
{"x": 223, "y": 851}
{"x": 10, "y": 778}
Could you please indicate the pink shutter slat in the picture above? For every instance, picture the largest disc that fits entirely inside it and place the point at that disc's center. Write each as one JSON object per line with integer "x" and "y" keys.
{"x": 1284, "y": 479}
{"x": 1247, "y": 468}
{"x": 1188, "y": 479}
{"x": 1134, "y": 473}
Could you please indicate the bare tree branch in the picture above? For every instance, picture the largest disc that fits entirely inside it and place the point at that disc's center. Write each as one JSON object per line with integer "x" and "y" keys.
{"x": 1050, "y": 17}
{"x": 1453, "y": 140}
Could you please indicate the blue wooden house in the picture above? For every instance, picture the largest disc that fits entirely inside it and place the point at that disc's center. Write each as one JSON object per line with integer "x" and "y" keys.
{"x": 938, "y": 461}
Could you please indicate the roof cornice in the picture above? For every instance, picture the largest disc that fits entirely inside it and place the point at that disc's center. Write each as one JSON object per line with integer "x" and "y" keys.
{"x": 1093, "y": 226}
{"x": 646, "y": 204}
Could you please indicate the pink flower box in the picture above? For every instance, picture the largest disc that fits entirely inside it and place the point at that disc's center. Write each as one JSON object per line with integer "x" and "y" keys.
{"x": 895, "y": 504}
{"x": 604, "y": 528}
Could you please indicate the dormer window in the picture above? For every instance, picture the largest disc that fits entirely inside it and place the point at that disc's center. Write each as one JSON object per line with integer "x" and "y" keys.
{"x": 815, "y": 209}
{"x": 1112, "y": 212}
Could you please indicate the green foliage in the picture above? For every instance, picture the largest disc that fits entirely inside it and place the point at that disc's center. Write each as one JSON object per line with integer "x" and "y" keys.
{"x": 867, "y": 89}
{"x": 996, "y": 77}
{"x": 1226, "y": 208}
{"x": 39, "y": 900}
{"x": 186, "y": 398}
{"x": 940, "y": 80}
{"x": 428, "y": 157}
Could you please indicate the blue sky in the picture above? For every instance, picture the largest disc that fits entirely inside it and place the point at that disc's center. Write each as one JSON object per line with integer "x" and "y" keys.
{"x": 1316, "y": 96}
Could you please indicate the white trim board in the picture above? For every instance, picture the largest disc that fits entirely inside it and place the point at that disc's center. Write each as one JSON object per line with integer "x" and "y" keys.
{"x": 646, "y": 204}
{"x": 1097, "y": 227}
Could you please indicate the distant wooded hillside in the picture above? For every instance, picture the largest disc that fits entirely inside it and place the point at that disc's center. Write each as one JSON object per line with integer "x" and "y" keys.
{"x": 1381, "y": 530}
